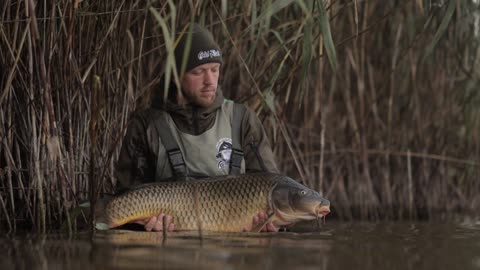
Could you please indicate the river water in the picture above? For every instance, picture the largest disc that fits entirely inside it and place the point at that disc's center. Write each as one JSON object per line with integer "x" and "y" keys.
{"x": 335, "y": 245}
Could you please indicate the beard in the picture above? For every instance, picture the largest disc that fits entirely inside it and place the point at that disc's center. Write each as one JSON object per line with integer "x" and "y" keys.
{"x": 203, "y": 97}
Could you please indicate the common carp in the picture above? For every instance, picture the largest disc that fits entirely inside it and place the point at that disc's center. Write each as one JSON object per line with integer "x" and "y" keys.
{"x": 222, "y": 203}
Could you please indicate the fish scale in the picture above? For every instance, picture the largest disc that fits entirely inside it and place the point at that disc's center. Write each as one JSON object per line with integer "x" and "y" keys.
{"x": 221, "y": 205}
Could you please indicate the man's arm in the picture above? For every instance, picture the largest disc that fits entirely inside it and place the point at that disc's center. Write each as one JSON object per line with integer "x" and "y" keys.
{"x": 136, "y": 165}
{"x": 256, "y": 145}
{"x": 135, "y": 162}
{"x": 255, "y": 141}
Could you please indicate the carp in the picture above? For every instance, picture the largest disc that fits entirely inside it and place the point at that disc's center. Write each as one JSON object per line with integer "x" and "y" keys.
{"x": 221, "y": 203}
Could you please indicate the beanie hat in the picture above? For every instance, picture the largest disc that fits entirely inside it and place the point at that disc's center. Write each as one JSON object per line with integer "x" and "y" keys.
{"x": 203, "y": 48}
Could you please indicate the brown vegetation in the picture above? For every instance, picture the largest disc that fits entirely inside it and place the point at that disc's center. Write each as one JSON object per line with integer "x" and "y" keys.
{"x": 382, "y": 117}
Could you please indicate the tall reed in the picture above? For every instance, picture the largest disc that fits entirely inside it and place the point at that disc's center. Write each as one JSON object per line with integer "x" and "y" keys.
{"x": 374, "y": 103}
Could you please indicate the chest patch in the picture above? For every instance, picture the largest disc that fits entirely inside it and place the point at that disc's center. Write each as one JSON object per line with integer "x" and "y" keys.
{"x": 224, "y": 152}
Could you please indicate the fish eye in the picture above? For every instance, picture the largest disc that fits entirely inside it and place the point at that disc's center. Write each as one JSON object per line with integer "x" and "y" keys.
{"x": 303, "y": 192}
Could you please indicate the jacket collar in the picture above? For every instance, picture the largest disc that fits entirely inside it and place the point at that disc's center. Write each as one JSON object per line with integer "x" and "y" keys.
{"x": 189, "y": 118}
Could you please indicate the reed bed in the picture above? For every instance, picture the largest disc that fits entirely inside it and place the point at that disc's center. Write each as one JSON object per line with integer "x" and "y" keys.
{"x": 374, "y": 103}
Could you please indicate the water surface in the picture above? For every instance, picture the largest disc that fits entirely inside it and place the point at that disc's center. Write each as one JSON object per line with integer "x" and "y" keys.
{"x": 336, "y": 245}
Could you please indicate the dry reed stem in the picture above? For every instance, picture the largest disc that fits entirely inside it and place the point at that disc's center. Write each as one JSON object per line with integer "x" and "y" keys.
{"x": 7, "y": 215}
{"x": 358, "y": 134}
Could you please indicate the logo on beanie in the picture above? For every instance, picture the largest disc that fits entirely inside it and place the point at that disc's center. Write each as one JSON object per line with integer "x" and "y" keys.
{"x": 208, "y": 54}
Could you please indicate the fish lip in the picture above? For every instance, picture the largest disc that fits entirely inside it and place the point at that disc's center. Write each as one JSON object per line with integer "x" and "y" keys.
{"x": 324, "y": 213}
{"x": 323, "y": 210}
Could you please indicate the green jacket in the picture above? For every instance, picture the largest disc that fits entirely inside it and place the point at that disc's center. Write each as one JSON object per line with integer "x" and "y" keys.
{"x": 138, "y": 156}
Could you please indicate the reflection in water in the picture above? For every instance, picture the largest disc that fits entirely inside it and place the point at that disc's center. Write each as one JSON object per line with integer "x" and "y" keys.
{"x": 214, "y": 251}
{"x": 44, "y": 252}
{"x": 399, "y": 245}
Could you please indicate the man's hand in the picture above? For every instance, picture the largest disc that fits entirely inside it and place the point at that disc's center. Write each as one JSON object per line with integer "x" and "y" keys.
{"x": 259, "y": 219}
{"x": 155, "y": 223}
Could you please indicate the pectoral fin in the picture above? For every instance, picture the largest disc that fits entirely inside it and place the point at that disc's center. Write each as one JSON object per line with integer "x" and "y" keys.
{"x": 257, "y": 228}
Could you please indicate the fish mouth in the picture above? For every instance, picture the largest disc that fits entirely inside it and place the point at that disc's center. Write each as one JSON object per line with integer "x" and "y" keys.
{"x": 322, "y": 210}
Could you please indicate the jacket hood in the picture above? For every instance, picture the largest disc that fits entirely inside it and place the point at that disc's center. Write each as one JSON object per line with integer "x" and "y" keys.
{"x": 189, "y": 118}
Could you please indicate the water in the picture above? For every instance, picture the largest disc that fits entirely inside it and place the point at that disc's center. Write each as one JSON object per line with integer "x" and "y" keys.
{"x": 338, "y": 245}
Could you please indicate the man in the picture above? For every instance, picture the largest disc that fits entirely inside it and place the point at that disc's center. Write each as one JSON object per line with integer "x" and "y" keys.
{"x": 193, "y": 132}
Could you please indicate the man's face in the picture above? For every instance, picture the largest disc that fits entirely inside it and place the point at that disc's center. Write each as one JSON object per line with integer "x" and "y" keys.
{"x": 199, "y": 85}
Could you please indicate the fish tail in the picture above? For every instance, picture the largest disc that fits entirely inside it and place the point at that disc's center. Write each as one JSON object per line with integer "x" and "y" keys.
{"x": 101, "y": 219}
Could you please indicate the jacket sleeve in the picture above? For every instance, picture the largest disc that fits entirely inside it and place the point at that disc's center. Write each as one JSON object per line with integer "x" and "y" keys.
{"x": 135, "y": 164}
{"x": 256, "y": 145}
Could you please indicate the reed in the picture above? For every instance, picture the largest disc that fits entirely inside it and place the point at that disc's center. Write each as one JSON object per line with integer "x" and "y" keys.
{"x": 374, "y": 103}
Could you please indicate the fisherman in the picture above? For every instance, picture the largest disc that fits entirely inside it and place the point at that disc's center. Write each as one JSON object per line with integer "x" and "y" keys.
{"x": 195, "y": 132}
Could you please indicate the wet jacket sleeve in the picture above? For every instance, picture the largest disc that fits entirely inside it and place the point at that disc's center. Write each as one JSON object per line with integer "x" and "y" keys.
{"x": 256, "y": 145}
{"x": 134, "y": 165}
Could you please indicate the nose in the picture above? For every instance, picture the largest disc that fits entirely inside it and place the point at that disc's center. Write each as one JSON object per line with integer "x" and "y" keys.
{"x": 208, "y": 78}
